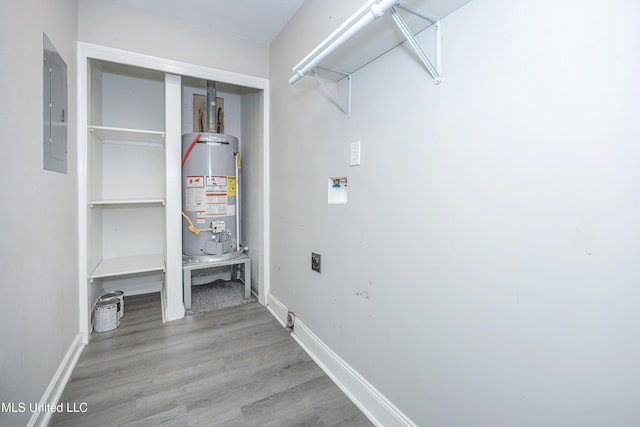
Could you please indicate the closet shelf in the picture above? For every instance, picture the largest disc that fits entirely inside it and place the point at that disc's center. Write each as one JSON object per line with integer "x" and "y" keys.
{"x": 122, "y": 266}
{"x": 129, "y": 136}
{"x": 369, "y": 34}
{"x": 112, "y": 202}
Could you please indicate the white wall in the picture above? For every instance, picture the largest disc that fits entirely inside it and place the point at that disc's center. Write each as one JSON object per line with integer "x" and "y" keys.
{"x": 107, "y": 24}
{"x": 252, "y": 170}
{"x": 505, "y": 290}
{"x": 38, "y": 255}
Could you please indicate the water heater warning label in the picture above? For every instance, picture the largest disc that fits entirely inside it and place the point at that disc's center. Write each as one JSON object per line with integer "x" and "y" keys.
{"x": 194, "y": 199}
{"x": 195, "y": 181}
{"x": 217, "y": 183}
{"x": 208, "y": 195}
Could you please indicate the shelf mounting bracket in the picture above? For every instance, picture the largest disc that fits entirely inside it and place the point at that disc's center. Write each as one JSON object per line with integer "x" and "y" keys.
{"x": 434, "y": 70}
{"x": 368, "y": 13}
{"x": 346, "y": 108}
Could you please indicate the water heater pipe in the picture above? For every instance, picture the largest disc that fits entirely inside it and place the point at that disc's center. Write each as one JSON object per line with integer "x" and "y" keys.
{"x": 238, "y": 195}
{"x": 186, "y": 154}
{"x": 192, "y": 227}
{"x": 211, "y": 107}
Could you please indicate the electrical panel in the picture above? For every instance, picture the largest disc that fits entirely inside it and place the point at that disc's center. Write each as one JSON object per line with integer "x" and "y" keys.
{"x": 55, "y": 112}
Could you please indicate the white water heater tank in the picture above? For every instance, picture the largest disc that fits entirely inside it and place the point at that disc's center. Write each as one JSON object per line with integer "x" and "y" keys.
{"x": 210, "y": 196}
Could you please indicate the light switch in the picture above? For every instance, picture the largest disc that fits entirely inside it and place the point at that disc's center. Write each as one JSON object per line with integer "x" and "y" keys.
{"x": 355, "y": 154}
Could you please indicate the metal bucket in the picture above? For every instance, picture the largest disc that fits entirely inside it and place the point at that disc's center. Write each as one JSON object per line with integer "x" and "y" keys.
{"x": 120, "y": 296}
{"x": 106, "y": 315}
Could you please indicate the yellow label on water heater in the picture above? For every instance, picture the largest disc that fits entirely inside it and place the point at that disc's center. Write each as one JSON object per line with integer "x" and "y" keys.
{"x": 231, "y": 186}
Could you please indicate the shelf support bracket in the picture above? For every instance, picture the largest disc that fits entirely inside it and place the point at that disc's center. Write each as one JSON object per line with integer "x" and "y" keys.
{"x": 346, "y": 109}
{"x": 402, "y": 25}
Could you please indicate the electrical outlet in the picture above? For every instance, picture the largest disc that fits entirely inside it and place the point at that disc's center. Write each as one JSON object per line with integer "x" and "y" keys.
{"x": 315, "y": 262}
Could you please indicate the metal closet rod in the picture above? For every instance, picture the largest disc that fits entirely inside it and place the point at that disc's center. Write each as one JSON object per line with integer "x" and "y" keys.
{"x": 339, "y": 37}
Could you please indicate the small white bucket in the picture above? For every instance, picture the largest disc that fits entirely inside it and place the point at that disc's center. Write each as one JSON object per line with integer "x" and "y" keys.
{"x": 106, "y": 315}
{"x": 120, "y": 296}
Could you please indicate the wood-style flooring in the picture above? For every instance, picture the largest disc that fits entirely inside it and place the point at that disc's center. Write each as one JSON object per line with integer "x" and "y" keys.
{"x": 232, "y": 367}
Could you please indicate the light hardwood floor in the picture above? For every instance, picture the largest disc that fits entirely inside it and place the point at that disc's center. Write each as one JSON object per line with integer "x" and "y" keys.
{"x": 231, "y": 367}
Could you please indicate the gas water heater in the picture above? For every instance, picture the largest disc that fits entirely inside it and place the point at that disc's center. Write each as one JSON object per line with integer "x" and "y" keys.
{"x": 210, "y": 192}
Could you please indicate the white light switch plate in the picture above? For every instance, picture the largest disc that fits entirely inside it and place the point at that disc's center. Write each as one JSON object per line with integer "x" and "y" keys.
{"x": 355, "y": 154}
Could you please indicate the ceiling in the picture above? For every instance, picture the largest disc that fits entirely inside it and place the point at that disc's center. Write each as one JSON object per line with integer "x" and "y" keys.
{"x": 256, "y": 20}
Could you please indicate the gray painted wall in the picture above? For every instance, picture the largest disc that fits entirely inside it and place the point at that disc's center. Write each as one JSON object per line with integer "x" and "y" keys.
{"x": 38, "y": 254}
{"x": 484, "y": 270}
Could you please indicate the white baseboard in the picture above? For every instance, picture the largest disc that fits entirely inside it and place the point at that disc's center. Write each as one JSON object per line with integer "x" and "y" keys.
{"x": 380, "y": 410}
{"x": 278, "y": 309}
{"x": 59, "y": 381}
